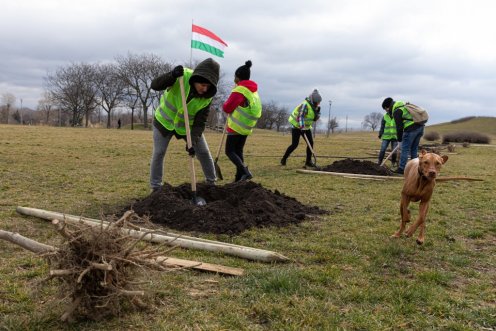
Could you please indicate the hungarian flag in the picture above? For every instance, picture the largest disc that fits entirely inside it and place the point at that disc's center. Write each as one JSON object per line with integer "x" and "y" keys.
{"x": 207, "y": 41}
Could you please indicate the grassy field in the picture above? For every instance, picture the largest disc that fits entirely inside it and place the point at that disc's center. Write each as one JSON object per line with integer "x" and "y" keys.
{"x": 346, "y": 272}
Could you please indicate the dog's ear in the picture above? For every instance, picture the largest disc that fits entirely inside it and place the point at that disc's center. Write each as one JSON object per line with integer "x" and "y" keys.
{"x": 422, "y": 153}
{"x": 445, "y": 158}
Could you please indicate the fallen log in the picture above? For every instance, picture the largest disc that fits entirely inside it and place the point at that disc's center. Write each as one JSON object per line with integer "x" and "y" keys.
{"x": 26, "y": 243}
{"x": 362, "y": 176}
{"x": 40, "y": 248}
{"x": 344, "y": 174}
{"x": 176, "y": 240}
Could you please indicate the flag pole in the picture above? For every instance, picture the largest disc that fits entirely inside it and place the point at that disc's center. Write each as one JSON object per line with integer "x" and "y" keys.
{"x": 190, "y": 40}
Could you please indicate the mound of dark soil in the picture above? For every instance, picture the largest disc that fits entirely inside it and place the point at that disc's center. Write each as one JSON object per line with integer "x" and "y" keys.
{"x": 352, "y": 166}
{"x": 230, "y": 209}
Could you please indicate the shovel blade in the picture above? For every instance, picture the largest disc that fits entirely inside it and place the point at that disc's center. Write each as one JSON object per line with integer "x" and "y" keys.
{"x": 198, "y": 201}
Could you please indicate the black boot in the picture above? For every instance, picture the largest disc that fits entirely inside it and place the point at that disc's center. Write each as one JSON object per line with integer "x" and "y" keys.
{"x": 237, "y": 178}
{"x": 247, "y": 174}
{"x": 283, "y": 161}
{"x": 310, "y": 165}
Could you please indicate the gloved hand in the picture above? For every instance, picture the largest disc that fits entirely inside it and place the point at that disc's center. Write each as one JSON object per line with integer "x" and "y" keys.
{"x": 379, "y": 136}
{"x": 191, "y": 151}
{"x": 178, "y": 71}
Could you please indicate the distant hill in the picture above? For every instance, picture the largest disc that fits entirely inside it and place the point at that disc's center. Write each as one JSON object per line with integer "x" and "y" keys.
{"x": 484, "y": 125}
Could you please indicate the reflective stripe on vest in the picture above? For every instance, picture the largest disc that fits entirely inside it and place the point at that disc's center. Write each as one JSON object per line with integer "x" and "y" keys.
{"x": 244, "y": 119}
{"x": 309, "y": 116}
{"x": 389, "y": 128}
{"x": 405, "y": 115}
{"x": 170, "y": 111}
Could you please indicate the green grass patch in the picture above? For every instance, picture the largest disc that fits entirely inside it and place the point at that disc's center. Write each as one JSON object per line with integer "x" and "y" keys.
{"x": 346, "y": 273}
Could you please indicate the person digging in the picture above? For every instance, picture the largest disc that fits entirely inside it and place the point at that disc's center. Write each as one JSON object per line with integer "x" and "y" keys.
{"x": 301, "y": 120}
{"x": 200, "y": 87}
{"x": 387, "y": 133}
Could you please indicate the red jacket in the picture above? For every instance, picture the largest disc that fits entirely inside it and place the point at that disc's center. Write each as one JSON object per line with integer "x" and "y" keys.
{"x": 236, "y": 99}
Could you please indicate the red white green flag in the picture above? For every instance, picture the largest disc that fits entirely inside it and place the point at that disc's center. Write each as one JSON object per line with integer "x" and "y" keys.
{"x": 207, "y": 41}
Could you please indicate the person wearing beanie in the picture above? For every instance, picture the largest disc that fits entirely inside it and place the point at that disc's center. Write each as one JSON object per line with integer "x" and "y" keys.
{"x": 244, "y": 108}
{"x": 168, "y": 121}
{"x": 301, "y": 120}
{"x": 408, "y": 132}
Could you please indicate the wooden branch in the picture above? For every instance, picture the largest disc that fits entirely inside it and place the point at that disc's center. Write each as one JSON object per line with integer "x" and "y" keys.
{"x": 60, "y": 227}
{"x": 101, "y": 266}
{"x": 450, "y": 178}
{"x": 181, "y": 241}
{"x": 349, "y": 175}
{"x": 199, "y": 266}
{"x": 344, "y": 174}
{"x": 61, "y": 272}
{"x": 26, "y": 243}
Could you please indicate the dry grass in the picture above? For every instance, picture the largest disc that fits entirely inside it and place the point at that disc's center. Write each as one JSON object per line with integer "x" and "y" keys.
{"x": 347, "y": 273}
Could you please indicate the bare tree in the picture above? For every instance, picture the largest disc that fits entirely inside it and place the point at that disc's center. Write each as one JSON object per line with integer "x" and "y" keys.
{"x": 281, "y": 118}
{"x": 372, "y": 120}
{"x": 8, "y": 99}
{"x": 110, "y": 88}
{"x": 332, "y": 124}
{"x": 72, "y": 88}
{"x": 45, "y": 106}
{"x": 138, "y": 71}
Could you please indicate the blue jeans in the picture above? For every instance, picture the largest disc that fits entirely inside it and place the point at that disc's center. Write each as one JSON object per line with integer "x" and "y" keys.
{"x": 384, "y": 146}
{"x": 160, "y": 144}
{"x": 409, "y": 145}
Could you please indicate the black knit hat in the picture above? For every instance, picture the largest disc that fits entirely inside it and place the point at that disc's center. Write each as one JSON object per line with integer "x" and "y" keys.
{"x": 243, "y": 72}
{"x": 388, "y": 102}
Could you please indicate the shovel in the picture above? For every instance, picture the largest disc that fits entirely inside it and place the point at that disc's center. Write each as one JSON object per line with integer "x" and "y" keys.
{"x": 197, "y": 201}
{"x": 390, "y": 154}
{"x": 217, "y": 168}
{"x": 311, "y": 149}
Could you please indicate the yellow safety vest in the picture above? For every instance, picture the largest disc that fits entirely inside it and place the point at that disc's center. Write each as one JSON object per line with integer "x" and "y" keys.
{"x": 309, "y": 116}
{"x": 389, "y": 128}
{"x": 244, "y": 119}
{"x": 170, "y": 112}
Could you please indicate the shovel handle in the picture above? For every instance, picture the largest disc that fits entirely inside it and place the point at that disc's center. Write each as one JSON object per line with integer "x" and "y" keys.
{"x": 390, "y": 154}
{"x": 188, "y": 134}
{"x": 221, "y": 140}
{"x": 308, "y": 144}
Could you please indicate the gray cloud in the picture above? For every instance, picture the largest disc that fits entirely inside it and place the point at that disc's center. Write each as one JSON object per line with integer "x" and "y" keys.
{"x": 436, "y": 54}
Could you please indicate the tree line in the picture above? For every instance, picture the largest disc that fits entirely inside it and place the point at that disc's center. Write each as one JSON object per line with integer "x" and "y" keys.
{"x": 83, "y": 94}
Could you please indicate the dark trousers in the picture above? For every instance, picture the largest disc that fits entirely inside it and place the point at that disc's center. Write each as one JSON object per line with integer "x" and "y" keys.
{"x": 234, "y": 151}
{"x": 295, "y": 140}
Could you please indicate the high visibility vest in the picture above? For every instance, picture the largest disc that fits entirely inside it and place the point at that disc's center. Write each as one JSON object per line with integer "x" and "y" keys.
{"x": 307, "y": 121}
{"x": 389, "y": 128}
{"x": 244, "y": 119}
{"x": 170, "y": 112}
{"x": 405, "y": 115}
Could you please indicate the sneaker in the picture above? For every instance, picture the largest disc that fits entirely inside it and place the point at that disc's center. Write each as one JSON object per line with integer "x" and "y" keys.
{"x": 399, "y": 171}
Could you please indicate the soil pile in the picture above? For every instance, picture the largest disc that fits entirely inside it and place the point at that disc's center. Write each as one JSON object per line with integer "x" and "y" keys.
{"x": 230, "y": 209}
{"x": 352, "y": 166}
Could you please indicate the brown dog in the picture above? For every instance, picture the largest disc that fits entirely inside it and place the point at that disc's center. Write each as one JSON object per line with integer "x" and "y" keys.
{"x": 420, "y": 179}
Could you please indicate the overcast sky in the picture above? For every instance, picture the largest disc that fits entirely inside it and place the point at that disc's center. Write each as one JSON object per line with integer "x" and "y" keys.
{"x": 439, "y": 54}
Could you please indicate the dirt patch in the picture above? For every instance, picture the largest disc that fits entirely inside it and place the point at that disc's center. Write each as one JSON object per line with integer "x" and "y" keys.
{"x": 230, "y": 209}
{"x": 352, "y": 166}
